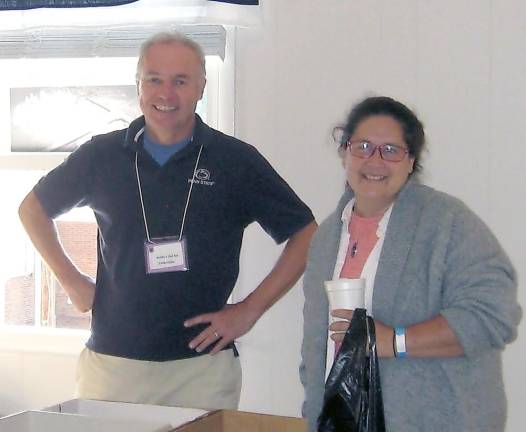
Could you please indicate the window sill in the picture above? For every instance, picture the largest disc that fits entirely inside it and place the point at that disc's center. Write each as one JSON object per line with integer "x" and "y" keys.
{"x": 18, "y": 339}
{"x": 31, "y": 161}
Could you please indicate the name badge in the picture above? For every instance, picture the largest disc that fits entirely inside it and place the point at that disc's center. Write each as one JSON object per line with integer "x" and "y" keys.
{"x": 165, "y": 255}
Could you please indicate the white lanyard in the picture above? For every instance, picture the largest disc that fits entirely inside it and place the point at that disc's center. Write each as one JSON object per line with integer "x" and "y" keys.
{"x": 187, "y": 198}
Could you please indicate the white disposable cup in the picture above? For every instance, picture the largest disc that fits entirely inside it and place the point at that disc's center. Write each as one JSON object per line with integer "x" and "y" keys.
{"x": 346, "y": 294}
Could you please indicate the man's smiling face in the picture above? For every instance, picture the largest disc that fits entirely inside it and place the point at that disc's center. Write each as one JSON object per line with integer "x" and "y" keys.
{"x": 171, "y": 82}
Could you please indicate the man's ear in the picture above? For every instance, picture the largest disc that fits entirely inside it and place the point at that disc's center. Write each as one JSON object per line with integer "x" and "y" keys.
{"x": 203, "y": 89}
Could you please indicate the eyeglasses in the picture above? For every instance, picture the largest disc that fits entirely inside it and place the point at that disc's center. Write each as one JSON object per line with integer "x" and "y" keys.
{"x": 388, "y": 152}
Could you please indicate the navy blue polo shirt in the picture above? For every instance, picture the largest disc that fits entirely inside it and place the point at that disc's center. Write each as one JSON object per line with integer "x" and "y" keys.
{"x": 138, "y": 315}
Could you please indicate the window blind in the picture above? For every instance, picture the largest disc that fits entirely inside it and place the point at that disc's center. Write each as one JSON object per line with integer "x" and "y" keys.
{"x": 100, "y": 41}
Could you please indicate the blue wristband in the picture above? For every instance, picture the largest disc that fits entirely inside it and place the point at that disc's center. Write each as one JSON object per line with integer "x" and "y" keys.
{"x": 400, "y": 348}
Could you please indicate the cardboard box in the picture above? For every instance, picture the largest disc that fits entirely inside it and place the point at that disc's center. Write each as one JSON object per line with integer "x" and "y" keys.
{"x": 127, "y": 411}
{"x": 41, "y": 421}
{"x": 239, "y": 421}
{"x": 182, "y": 419}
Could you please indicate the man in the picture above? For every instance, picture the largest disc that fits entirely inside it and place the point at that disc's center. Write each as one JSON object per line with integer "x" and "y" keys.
{"x": 171, "y": 197}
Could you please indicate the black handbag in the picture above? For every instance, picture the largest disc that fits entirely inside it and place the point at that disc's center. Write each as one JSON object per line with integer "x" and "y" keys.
{"x": 353, "y": 395}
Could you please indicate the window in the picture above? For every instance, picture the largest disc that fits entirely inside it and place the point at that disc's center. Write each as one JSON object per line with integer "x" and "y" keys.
{"x": 36, "y": 99}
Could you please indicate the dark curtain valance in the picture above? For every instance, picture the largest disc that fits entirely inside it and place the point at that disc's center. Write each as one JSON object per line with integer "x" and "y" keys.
{"x": 239, "y": 2}
{"x": 33, "y": 4}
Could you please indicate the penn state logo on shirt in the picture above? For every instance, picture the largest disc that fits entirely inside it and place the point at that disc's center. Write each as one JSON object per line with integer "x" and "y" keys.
{"x": 202, "y": 177}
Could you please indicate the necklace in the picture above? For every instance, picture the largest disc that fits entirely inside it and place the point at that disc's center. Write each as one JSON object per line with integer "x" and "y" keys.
{"x": 354, "y": 249}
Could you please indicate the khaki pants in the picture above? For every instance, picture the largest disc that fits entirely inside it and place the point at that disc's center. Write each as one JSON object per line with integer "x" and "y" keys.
{"x": 208, "y": 382}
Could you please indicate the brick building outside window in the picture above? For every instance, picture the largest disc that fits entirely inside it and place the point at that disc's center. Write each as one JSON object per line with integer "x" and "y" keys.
{"x": 79, "y": 240}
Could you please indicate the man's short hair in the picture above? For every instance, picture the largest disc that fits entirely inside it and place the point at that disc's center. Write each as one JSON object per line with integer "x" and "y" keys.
{"x": 170, "y": 38}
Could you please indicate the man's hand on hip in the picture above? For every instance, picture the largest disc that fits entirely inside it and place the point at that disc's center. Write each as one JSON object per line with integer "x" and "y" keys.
{"x": 231, "y": 322}
{"x": 80, "y": 288}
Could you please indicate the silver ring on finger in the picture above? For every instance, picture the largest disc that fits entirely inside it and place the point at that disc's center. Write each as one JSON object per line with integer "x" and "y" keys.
{"x": 216, "y": 334}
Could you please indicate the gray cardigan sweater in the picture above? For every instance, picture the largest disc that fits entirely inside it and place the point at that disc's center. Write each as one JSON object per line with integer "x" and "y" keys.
{"x": 438, "y": 258}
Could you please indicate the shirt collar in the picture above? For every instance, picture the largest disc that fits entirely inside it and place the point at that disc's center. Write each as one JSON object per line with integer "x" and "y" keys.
{"x": 202, "y": 133}
{"x": 347, "y": 211}
{"x": 382, "y": 225}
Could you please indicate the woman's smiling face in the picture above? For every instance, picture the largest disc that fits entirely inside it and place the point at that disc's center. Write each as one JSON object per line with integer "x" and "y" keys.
{"x": 374, "y": 181}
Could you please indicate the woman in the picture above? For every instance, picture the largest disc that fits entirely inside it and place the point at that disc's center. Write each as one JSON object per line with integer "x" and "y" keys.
{"x": 434, "y": 272}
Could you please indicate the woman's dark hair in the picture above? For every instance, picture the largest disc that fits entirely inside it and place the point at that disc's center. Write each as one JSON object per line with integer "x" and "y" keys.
{"x": 412, "y": 127}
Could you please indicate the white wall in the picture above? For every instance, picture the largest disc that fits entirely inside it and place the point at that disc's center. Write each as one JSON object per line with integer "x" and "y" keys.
{"x": 37, "y": 368}
{"x": 459, "y": 63}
